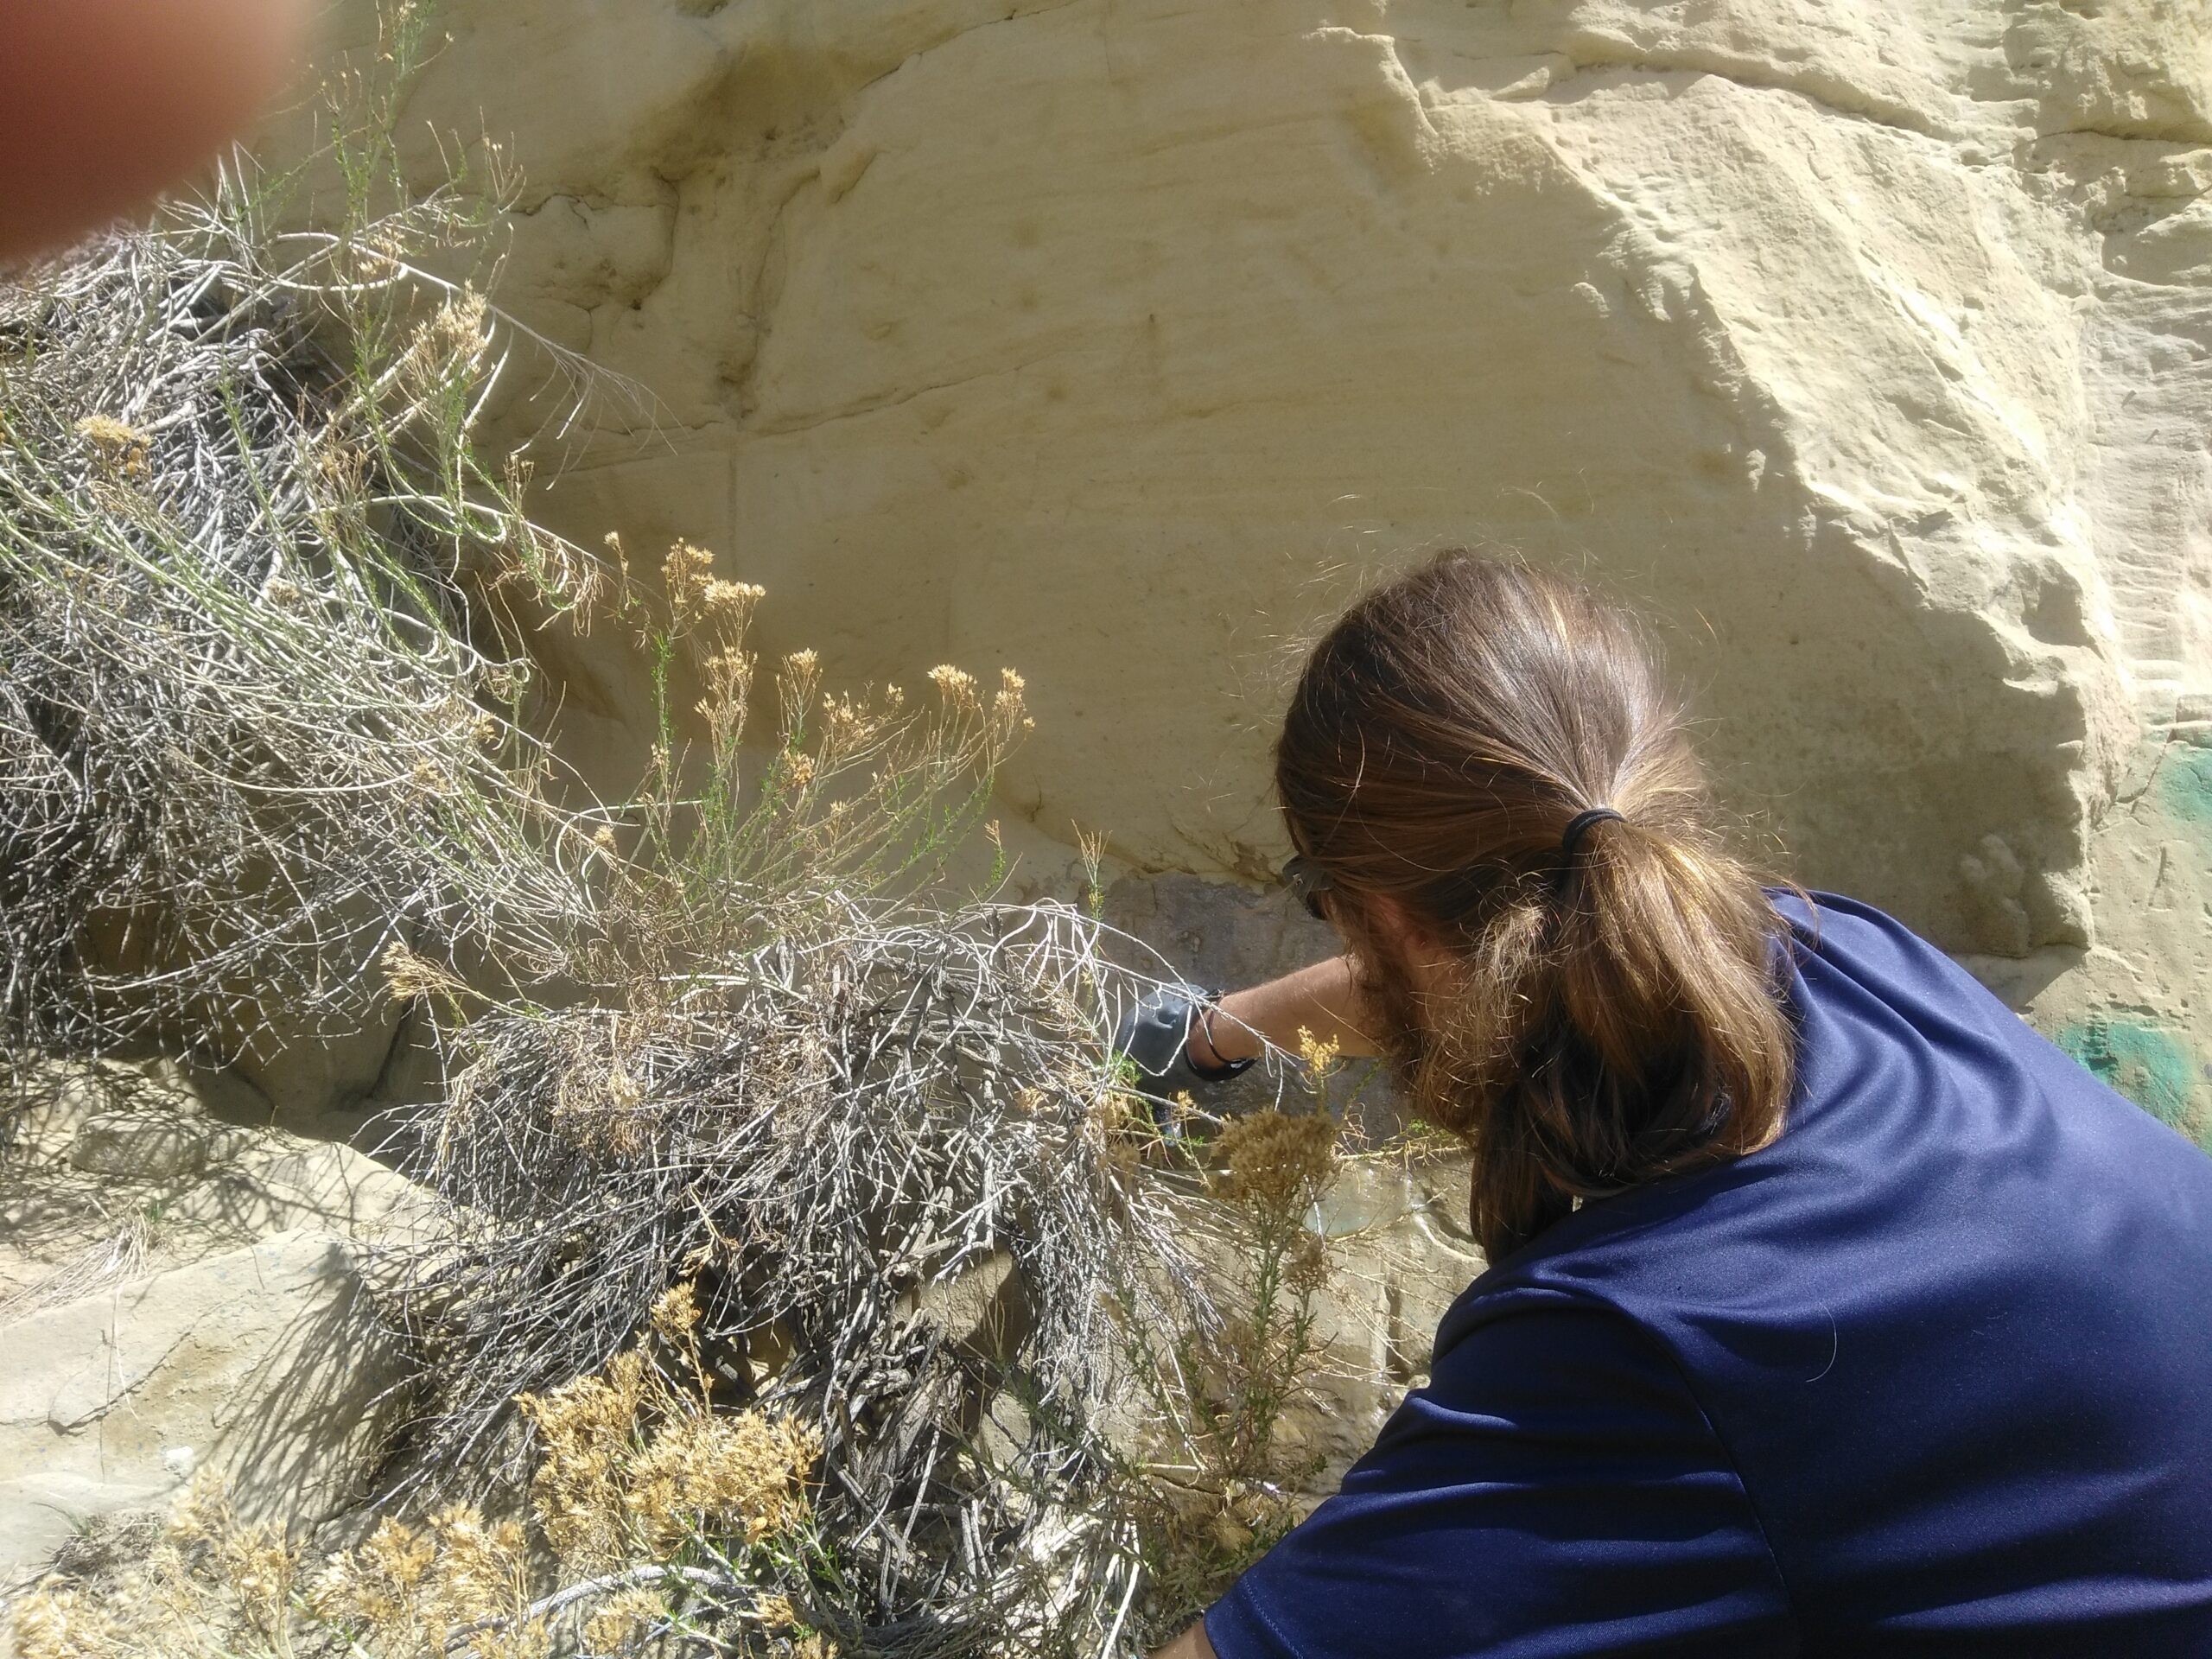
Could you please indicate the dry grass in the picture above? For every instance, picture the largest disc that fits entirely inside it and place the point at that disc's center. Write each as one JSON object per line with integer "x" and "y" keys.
{"x": 665, "y": 1520}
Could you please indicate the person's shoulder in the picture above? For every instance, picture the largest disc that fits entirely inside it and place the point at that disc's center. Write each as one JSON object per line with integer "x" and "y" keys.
{"x": 1838, "y": 939}
{"x": 1518, "y": 1328}
{"x": 1534, "y": 1362}
{"x": 1814, "y": 916}
{"x": 1520, "y": 1321}
{"x": 1553, "y": 1487}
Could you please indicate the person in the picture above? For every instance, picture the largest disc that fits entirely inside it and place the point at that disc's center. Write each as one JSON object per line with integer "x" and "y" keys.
{"x": 1829, "y": 1310}
{"x": 104, "y": 102}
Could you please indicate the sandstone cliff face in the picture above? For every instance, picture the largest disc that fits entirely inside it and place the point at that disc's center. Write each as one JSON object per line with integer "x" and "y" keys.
{"x": 1865, "y": 340}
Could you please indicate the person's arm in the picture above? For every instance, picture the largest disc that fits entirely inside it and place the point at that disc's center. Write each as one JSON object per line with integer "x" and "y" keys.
{"x": 1556, "y": 1488}
{"x": 1191, "y": 1644}
{"x": 1324, "y": 998}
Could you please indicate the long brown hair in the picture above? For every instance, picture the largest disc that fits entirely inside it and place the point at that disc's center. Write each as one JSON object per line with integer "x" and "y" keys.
{"x": 1613, "y": 1015}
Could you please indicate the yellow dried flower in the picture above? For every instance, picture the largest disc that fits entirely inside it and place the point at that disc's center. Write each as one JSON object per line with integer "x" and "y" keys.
{"x": 676, "y": 1311}
{"x": 447, "y": 345}
{"x": 687, "y": 573}
{"x": 408, "y": 975}
{"x": 258, "y": 1565}
{"x": 729, "y": 605}
{"x": 622, "y": 1619}
{"x": 728, "y": 674}
{"x": 200, "y": 1513}
{"x": 1320, "y": 1057}
{"x": 1276, "y": 1163}
{"x": 379, "y": 1582}
{"x": 117, "y": 445}
{"x": 956, "y": 686}
{"x": 586, "y": 1428}
{"x": 481, "y": 1566}
{"x": 743, "y": 1473}
{"x": 59, "y": 1623}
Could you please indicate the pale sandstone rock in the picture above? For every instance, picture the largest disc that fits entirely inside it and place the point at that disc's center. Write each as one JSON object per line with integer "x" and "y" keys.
{"x": 259, "y": 1362}
{"x": 135, "y": 1146}
{"x": 287, "y": 1185}
{"x": 1399, "y": 1256}
{"x": 310, "y": 1071}
{"x": 55, "y": 1100}
{"x": 1868, "y": 341}
{"x": 177, "y": 1289}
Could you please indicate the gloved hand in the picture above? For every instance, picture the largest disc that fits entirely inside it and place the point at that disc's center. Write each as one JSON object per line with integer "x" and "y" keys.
{"x": 1155, "y": 1034}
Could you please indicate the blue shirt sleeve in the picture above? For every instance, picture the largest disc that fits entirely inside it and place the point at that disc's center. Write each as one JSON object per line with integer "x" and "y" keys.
{"x": 1556, "y": 1491}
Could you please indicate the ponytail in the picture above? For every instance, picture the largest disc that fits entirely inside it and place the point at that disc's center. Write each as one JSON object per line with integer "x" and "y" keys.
{"x": 1611, "y": 1012}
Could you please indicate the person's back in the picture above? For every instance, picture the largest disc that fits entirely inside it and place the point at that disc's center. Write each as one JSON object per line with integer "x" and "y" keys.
{"x": 1929, "y": 1374}
{"x": 1831, "y": 1310}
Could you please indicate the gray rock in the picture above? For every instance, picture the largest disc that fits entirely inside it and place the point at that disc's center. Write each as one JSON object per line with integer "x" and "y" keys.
{"x": 261, "y": 1363}
{"x": 138, "y": 1146}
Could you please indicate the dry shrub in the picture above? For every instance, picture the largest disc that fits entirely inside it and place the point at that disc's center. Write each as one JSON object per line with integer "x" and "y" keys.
{"x": 629, "y": 1466}
{"x": 659, "y": 1517}
{"x": 260, "y": 685}
{"x": 829, "y": 1137}
{"x": 1221, "y": 1484}
{"x": 211, "y": 1587}
{"x": 807, "y": 1261}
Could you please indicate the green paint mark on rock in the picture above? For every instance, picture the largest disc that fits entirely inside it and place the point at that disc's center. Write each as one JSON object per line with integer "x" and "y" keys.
{"x": 2140, "y": 1061}
{"x": 2186, "y": 784}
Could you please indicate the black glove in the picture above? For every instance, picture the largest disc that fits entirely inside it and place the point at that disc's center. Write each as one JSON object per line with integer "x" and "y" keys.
{"x": 1155, "y": 1037}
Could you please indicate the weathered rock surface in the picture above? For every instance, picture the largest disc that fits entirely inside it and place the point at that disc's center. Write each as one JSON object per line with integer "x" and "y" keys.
{"x": 1868, "y": 342}
{"x": 258, "y": 1362}
{"x": 178, "y": 1291}
{"x": 1400, "y": 1255}
{"x": 141, "y": 1147}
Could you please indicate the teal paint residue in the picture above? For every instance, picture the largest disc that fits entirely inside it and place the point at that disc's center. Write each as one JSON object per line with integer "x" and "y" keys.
{"x": 2186, "y": 784}
{"x": 2139, "y": 1061}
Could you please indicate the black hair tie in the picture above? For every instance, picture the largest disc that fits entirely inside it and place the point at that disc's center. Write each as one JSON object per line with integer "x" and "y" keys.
{"x": 1579, "y": 826}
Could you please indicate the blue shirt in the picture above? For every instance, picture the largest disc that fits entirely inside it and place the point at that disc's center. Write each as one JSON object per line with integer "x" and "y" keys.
{"x": 1931, "y": 1375}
